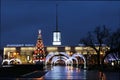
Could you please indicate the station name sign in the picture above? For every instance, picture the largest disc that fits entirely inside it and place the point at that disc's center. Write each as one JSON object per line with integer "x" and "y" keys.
{"x": 19, "y": 45}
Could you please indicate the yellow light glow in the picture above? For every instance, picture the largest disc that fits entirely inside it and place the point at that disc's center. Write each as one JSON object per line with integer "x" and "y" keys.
{"x": 67, "y": 48}
{"x": 89, "y": 48}
{"x": 28, "y": 48}
{"x": 101, "y": 52}
{"x": 68, "y": 52}
{"x": 56, "y": 53}
{"x": 52, "y": 48}
{"x": 78, "y": 48}
{"x": 97, "y": 48}
{"x": 10, "y": 48}
{"x": 95, "y": 53}
{"x": 85, "y": 52}
{"x": 14, "y": 54}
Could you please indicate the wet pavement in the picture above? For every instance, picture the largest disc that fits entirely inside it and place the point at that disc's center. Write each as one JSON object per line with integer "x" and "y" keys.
{"x": 68, "y": 72}
{"x": 71, "y": 73}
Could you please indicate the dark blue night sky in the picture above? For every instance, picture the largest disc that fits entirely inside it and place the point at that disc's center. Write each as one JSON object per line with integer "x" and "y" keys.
{"x": 21, "y": 19}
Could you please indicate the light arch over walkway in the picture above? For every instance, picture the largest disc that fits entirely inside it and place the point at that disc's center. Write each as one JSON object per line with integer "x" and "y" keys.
{"x": 74, "y": 58}
{"x": 81, "y": 56}
{"x": 9, "y": 61}
{"x": 51, "y": 54}
{"x": 15, "y": 60}
{"x": 68, "y": 59}
{"x": 64, "y": 58}
{"x": 6, "y": 60}
{"x": 59, "y": 59}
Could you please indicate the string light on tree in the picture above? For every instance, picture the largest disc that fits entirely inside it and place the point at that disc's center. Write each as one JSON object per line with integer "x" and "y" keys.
{"x": 39, "y": 53}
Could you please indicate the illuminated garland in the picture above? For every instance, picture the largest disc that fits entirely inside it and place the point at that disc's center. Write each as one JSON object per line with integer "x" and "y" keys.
{"x": 39, "y": 49}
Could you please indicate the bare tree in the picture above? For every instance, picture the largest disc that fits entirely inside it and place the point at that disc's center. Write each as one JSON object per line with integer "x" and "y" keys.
{"x": 97, "y": 38}
{"x": 113, "y": 42}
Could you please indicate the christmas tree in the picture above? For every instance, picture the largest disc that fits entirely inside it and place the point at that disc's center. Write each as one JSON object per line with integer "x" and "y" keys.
{"x": 39, "y": 53}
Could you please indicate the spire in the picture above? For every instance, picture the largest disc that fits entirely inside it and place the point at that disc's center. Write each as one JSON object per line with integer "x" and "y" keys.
{"x": 56, "y": 18}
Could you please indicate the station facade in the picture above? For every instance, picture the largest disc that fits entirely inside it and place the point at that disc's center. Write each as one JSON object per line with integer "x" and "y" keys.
{"x": 25, "y": 53}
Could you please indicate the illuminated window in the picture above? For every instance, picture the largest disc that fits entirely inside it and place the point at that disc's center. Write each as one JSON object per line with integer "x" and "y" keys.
{"x": 67, "y": 48}
{"x": 51, "y": 48}
{"x": 56, "y": 38}
{"x": 78, "y": 48}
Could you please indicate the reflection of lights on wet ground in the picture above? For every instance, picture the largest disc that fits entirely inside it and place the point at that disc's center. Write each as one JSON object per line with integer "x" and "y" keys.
{"x": 101, "y": 76}
{"x": 41, "y": 78}
{"x": 70, "y": 68}
{"x": 65, "y": 73}
{"x": 69, "y": 75}
{"x": 77, "y": 70}
{"x": 85, "y": 74}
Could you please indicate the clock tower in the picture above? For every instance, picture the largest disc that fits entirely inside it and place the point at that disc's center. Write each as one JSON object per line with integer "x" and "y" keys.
{"x": 57, "y": 33}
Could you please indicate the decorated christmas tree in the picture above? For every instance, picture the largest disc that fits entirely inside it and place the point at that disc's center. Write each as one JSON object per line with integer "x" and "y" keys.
{"x": 39, "y": 53}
